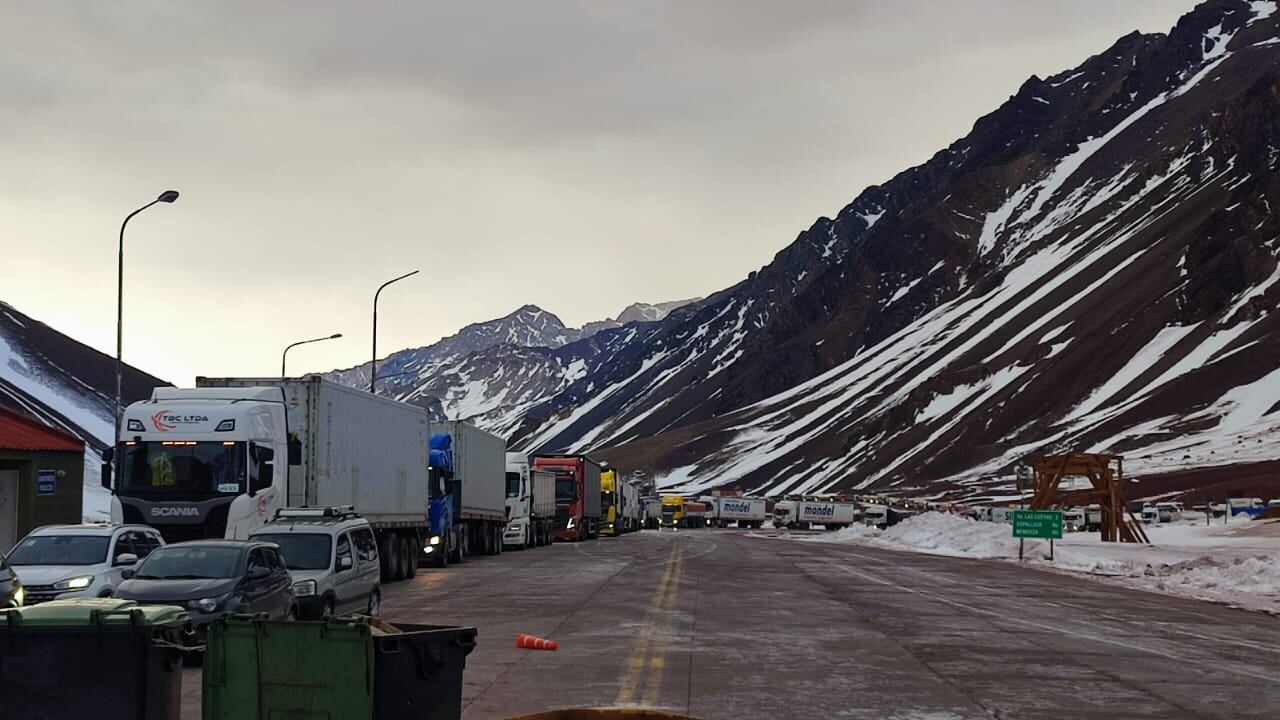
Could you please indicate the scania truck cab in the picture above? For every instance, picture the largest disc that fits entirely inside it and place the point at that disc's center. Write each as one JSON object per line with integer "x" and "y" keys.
{"x": 200, "y": 463}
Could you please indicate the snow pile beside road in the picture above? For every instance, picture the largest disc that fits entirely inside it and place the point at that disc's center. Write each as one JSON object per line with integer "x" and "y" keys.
{"x": 1213, "y": 578}
{"x": 1218, "y": 563}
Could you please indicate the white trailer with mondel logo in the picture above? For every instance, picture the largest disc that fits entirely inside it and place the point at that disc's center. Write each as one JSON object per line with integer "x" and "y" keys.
{"x": 219, "y": 459}
{"x": 744, "y": 512}
{"x": 829, "y": 514}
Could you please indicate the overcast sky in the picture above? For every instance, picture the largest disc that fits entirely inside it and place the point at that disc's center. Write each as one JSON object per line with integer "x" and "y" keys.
{"x": 575, "y": 155}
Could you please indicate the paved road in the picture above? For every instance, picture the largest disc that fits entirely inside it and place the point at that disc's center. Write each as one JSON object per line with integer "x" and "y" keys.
{"x": 723, "y": 624}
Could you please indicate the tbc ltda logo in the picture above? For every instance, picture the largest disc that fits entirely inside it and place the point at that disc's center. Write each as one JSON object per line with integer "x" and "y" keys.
{"x": 159, "y": 421}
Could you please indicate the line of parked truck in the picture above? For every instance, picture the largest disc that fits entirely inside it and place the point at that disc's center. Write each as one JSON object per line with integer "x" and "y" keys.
{"x": 220, "y": 459}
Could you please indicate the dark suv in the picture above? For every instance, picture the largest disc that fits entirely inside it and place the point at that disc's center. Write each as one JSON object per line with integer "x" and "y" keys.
{"x": 210, "y": 578}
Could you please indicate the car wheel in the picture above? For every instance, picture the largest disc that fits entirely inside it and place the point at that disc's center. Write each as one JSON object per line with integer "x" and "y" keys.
{"x": 326, "y": 610}
{"x": 375, "y": 603}
{"x": 291, "y": 614}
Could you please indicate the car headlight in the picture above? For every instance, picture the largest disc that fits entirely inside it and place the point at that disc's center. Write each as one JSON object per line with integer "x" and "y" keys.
{"x": 19, "y": 596}
{"x": 205, "y": 604}
{"x": 435, "y": 539}
{"x": 304, "y": 588}
{"x": 75, "y": 583}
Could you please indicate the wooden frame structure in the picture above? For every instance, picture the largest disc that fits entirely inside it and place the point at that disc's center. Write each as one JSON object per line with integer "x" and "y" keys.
{"x": 1106, "y": 473}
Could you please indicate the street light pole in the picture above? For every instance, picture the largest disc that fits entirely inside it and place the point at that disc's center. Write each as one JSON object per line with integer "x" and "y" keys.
{"x": 168, "y": 196}
{"x": 373, "y": 363}
{"x": 284, "y": 355}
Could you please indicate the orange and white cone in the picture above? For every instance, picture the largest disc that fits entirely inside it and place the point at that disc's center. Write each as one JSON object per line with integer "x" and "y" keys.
{"x": 529, "y": 642}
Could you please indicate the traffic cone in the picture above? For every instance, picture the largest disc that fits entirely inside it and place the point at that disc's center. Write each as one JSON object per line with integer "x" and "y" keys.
{"x": 529, "y": 642}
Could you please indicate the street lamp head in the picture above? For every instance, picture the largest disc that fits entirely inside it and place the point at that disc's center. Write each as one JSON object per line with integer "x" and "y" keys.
{"x": 335, "y": 336}
{"x": 168, "y": 196}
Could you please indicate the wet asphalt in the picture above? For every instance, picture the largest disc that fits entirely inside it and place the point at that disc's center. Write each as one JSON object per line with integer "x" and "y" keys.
{"x": 736, "y": 624}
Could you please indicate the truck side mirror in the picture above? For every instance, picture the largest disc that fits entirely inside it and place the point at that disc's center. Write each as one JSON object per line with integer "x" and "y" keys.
{"x": 107, "y": 456}
{"x": 266, "y": 476}
{"x": 295, "y": 451}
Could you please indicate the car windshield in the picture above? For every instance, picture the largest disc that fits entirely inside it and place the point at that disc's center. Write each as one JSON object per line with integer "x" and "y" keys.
{"x": 60, "y": 550}
{"x": 175, "y": 466}
{"x": 513, "y": 484}
{"x": 302, "y": 551}
{"x": 190, "y": 562}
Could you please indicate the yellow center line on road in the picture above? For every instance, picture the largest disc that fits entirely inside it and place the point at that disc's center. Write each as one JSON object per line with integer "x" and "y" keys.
{"x": 636, "y": 661}
{"x": 657, "y": 660}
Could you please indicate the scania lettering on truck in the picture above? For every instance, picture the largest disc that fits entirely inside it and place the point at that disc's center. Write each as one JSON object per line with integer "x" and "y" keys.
{"x": 219, "y": 459}
{"x": 745, "y": 512}
{"x": 578, "y": 510}
{"x": 531, "y": 504}
{"x": 468, "y": 492}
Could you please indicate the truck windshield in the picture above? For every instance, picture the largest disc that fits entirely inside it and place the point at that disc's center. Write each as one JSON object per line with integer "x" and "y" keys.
{"x": 606, "y": 499}
{"x": 566, "y": 488}
{"x": 176, "y": 466}
{"x": 513, "y": 484}
{"x": 302, "y": 551}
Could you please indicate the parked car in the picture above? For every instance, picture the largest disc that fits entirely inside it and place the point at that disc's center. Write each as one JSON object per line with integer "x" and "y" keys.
{"x": 332, "y": 556}
{"x": 11, "y": 592}
{"x": 70, "y": 561}
{"x": 211, "y": 578}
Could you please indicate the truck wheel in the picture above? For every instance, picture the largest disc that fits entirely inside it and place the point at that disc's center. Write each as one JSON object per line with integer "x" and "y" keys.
{"x": 410, "y": 558}
{"x": 395, "y": 558}
{"x": 386, "y": 550}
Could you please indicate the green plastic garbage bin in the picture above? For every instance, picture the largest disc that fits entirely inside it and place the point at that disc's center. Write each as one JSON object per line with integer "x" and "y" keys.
{"x": 98, "y": 658}
{"x": 258, "y": 669}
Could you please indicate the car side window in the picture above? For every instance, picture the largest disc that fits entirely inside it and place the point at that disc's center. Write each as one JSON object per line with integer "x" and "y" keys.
{"x": 344, "y": 549}
{"x": 276, "y": 562}
{"x": 257, "y": 558}
{"x": 144, "y": 543}
{"x": 124, "y": 544}
{"x": 366, "y": 546}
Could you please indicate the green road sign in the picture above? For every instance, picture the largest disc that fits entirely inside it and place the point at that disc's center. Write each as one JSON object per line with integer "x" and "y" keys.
{"x": 1043, "y": 524}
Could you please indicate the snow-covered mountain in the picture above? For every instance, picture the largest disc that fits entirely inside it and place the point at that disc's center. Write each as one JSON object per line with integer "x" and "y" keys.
{"x": 495, "y": 372}
{"x": 1093, "y": 267}
{"x": 68, "y": 385}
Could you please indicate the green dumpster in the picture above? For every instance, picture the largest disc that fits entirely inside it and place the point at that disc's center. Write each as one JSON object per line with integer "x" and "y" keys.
{"x": 258, "y": 669}
{"x": 91, "y": 657}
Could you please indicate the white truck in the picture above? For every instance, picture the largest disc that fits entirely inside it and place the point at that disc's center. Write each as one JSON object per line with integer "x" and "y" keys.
{"x": 830, "y": 515}
{"x": 632, "y": 508}
{"x": 531, "y": 504}
{"x": 745, "y": 512}
{"x": 219, "y": 459}
{"x": 468, "y": 510}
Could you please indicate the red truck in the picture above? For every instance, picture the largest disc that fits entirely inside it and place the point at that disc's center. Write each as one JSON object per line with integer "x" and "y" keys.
{"x": 577, "y": 495}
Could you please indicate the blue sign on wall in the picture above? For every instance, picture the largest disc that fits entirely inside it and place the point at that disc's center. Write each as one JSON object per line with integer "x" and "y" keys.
{"x": 46, "y": 482}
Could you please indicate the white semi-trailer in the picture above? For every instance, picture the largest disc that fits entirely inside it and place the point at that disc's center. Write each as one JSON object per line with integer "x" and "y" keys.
{"x": 219, "y": 459}
{"x": 531, "y": 504}
{"x": 745, "y": 512}
{"x": 831, "y": 515}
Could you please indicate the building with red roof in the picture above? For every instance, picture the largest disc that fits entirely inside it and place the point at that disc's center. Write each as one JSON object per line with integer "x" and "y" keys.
{"x": 41, "y": 476}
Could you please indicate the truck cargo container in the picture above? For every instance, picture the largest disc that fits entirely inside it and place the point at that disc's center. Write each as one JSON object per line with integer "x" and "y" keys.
{"x": 652, "y": 516}
{"x": 531, "y": 504}
{"x": 219, "y": 459}
{"x": 830, "y": 515}
{"x": 743, "y": 511}
{"x": 578, "y": 509}
{"x": 468, "y": 510}
{"x": 632, "y": 510}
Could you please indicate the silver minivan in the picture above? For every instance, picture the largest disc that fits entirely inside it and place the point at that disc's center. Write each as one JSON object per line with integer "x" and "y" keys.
{"x": 332, "y": 556}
